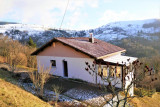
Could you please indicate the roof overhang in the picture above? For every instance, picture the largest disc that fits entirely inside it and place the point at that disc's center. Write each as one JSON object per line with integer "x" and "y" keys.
{"x": 108, "y": 55}
{"x": 121, "y": 60}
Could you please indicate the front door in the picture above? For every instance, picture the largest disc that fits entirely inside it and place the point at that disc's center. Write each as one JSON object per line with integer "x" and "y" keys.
{"x": 65, "y": 68}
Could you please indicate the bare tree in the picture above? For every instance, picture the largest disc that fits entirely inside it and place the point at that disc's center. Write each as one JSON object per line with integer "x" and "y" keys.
{"x": 57, "y": 90}
{"x": 39, "y": 78}
{"x": 35, "y": 78}
{"x": 44, "y": 74}
{"x": 116, "y": 99}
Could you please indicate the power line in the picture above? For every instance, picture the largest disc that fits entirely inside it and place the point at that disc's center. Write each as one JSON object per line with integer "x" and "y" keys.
{"x": 64, "y": 15}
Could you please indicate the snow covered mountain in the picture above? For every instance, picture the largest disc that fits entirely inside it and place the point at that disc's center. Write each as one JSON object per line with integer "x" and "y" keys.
{"x": 113, "y": 31}
{"x": 123, "y": 29}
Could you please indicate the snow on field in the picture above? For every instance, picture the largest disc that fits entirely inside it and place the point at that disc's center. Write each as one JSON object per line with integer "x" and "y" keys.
{"x": 74, "y": 96}
{"x": 23, "y": 27}
{"x": 88, "y": 96}
{"x": 110, "y": 31}
{"x": 123, "y": 29}
{"x": 50, "y": 95}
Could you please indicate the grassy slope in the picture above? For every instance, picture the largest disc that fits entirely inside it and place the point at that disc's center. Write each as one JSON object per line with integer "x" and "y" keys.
{"x": 153, "y": 101}
{"x": 13, "y": 96}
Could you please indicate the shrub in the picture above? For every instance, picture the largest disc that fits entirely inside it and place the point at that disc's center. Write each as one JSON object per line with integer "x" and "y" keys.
{"x": 21, "y": 59}
{"x": 57, "y": 90}
{"x": 141, "y": 92}
{"x": 39, "y": 78}
{"x": 2, "y": 59}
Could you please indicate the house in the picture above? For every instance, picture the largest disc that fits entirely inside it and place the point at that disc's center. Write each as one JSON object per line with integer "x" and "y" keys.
{"x": 68, "y": 57}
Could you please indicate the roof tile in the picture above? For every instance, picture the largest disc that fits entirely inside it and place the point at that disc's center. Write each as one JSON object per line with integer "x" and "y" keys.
{"x": 97, "y": 49}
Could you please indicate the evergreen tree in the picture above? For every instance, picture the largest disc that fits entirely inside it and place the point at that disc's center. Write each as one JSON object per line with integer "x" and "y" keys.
{"x": 31, "y": 43}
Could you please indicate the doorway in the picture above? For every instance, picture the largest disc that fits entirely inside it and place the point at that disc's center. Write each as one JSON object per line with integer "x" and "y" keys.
{"x": 65, "y": 66}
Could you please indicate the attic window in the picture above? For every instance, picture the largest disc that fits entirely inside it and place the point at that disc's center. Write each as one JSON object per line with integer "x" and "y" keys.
{"x": 53, "y": 63}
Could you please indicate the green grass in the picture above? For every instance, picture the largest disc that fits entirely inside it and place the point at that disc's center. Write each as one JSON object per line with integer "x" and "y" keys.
{"x": 7, "y": 76}
{"x": 13, "y": 96}
{"x": 77, "y": 80}
{"x": 67, "y": 84}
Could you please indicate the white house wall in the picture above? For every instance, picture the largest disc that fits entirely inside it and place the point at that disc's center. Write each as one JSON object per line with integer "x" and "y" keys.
{"x": 76, "y": 67}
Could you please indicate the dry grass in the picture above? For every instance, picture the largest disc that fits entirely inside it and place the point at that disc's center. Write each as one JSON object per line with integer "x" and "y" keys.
{"x": 146, "y": 101}
{"x": 13, "y": 96}
{"x": 27, "y": 68}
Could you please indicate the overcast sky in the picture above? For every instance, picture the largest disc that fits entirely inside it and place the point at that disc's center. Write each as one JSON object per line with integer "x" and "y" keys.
{"x": 81, "y": 14}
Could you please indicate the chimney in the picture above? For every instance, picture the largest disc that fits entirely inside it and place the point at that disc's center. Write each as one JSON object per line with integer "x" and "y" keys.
{"x": 91, "y": 39}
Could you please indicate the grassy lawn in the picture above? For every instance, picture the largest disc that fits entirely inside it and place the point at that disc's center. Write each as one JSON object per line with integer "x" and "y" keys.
{"x": 67, "y": 84}
{"x": 79, "y": 90}
{"x": 7, "y": 76}
{"x": 13, "y": 96}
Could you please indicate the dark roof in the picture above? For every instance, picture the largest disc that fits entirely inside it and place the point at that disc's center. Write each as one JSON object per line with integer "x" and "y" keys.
{"x": 97, "y": 49}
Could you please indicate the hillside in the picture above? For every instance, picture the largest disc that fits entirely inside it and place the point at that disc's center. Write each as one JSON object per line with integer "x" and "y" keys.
{"x": 149, "y": 29}
{"x": 146, "y": 101}
{"x": 140, "y": 38}
{"x": 4, "y": 23}
{"x": 139, "y": 47}
{"x": 123, "y": 29}
{"x": 13, "y": 96}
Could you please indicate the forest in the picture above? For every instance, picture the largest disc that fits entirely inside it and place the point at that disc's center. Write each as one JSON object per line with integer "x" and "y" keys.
{"x": 148, "y": 52}
{"x": 16, "y": 54}
{"x": 139, "y": 47}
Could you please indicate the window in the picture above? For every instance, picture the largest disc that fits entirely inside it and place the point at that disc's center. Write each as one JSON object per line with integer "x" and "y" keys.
{"x": 99, "y": 70}
{"x": 53, "y": 63}
{"x": 104, "y": 71}
{"x": 118, "y": 73}
{"x": 112, "y": 71}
